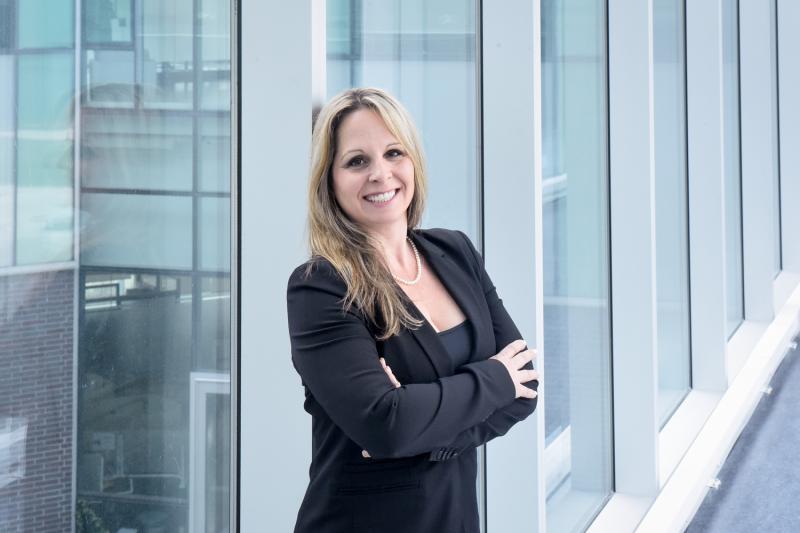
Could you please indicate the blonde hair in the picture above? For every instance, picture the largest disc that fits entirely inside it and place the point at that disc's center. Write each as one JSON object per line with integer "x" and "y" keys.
{"x": 354, "y": 253}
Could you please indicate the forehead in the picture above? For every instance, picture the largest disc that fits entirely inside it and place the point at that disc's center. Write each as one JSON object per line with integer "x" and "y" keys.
{"x": 363, "y": 126}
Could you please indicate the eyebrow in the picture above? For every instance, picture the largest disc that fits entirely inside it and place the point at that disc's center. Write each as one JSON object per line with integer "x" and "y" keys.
{"x": 344, "y": 155}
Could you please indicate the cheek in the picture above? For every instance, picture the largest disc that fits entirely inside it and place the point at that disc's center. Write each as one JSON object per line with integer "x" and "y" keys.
{"x": 342, "y": 189}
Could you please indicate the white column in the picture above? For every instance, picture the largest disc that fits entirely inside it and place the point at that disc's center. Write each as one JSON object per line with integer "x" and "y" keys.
{"x": 705, "y": 100}
{"x": 276, "y": 96}
{"x": 758, "y": 138}
{"x": 512, "y": 203}
{"x": 789, "y": 70}
{"x": 633, "y": 259}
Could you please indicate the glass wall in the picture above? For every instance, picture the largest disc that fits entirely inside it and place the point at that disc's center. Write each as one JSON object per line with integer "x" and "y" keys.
{"x": 732, "y": 166}
{"x": 671, "y": 208}
{"x": 154, "y": 350}
{"x": 124, "y": 237}
{"x": 578, "y": 458}
{"x": 424, "y": 54}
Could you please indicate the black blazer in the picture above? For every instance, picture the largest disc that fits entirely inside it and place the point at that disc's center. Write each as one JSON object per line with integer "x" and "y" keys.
{"x": 421, "y": 436}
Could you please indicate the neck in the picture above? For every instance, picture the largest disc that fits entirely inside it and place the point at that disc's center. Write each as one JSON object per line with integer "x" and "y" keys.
{"x": 396, "y": 250}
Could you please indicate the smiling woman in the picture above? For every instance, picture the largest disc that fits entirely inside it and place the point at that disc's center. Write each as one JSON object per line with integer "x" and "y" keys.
{"x": 399, "y": 403}
{"x": 371, "y": 170}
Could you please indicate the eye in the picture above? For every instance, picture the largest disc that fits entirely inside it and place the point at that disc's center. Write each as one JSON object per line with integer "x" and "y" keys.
{"x": 356, "y": 161}
{"x": 395, "y": 152}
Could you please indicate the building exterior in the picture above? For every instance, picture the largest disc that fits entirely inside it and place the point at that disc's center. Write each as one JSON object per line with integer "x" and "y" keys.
{"x": 628, "y": 168}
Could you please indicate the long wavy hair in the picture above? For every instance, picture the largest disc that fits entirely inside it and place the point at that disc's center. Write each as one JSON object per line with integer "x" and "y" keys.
{"x": 355, "y": 253}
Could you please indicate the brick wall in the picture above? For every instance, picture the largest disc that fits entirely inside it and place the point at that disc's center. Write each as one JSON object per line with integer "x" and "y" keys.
{"x": 36, "y": 359}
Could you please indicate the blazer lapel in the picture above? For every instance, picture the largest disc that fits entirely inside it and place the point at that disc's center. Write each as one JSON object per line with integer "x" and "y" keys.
{"x": 461, "y": 287}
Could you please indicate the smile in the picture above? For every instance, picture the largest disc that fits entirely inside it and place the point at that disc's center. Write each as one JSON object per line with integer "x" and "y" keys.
{"x": 381, "y": 198}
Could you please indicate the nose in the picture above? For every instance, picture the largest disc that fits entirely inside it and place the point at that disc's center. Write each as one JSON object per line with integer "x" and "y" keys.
{"x": 381, "y": 170}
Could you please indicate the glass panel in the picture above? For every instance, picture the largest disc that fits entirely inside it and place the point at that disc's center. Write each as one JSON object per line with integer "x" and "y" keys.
{"x": 107, "y": 21}
{"x": 109, "y": 78}
{"x": 45, "y": 158}
{"x": 131, "y": 230}
{"x": 424, "y": 54}
{"x": 215, "y": 153}
{"x": 733, "y": 174}
{"x": 216, "y": 51}
{"x": 215, "y": 229}
{"x": 6, "y": 25}
{"x": 45, "y": 23}
{"x": 6, "y": 158}
{"x": 215, "y": 329}
{"x": 155, "y": 330}
{"x": 578, "y": 454}
{"x": 142, "y": 151}
{"x": 672, "y": 248}
{"x": 167, "y": 66}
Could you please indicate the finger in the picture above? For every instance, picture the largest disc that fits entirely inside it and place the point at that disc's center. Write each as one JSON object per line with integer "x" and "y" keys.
{"x": 525, "y": 392}
{"x": 512, "y": 348}
{"x": 393, "y": 379}
{"x": 522, "y": 358}
{"x": 383, "y": 363}
{"x": 528, "y": 375}
{"x": 365, "y": 454}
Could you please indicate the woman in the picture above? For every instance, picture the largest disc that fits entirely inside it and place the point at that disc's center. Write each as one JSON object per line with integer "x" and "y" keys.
{"x": 408, "y": 358}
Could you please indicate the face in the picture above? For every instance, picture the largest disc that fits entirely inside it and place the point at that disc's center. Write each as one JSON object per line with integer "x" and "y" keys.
{"x": 369, "y": 160}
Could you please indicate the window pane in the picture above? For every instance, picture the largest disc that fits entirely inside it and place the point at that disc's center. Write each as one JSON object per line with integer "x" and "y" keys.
{"x": 6, "y": 24}
{"x": 215, "y": 153}
{"x": 672, "y": 248}
{"x": 141, "y": 150}
{"x": 107, "y": 21}
{"x": 108, "y": 78}
{"x": 216, "y": 49}
{"x": 136, "y": 230}
{"x": 424, "y": 54}
{"x": 143, "y": 321}
{"x": 45, "y": 23}
{"x": 578, "y": 455}
{"x": 155, "y": 327}
{"x": 45, "y": 158}
{"x": 167, "y": 66}
{"x": 7, "y": 191}
{"x": 215, "y": 229}
{"x": 733, "y": 174}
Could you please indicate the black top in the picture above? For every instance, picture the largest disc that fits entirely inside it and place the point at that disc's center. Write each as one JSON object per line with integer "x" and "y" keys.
{"x": 458, "y": 343}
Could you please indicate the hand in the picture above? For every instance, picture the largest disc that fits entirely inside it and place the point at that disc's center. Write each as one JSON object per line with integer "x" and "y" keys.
{"x": 514, "y": 357}
{"x": 388, "y": 370}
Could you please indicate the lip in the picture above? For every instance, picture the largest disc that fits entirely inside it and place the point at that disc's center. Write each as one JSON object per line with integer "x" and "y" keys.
{"x": 384, "y": 204}
{"x": 380, "y": 192}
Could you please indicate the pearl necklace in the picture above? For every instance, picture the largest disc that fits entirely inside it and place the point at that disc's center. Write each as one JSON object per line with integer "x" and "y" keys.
{"x": 419, "y": 266}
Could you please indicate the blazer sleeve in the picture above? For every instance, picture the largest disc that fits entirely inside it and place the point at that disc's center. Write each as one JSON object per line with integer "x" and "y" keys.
{"x": 505, "y": 331}
{"x": 337, "y": 359}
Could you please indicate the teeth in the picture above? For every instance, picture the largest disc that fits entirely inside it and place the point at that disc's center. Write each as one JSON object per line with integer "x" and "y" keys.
{"x": 383, "y": 197}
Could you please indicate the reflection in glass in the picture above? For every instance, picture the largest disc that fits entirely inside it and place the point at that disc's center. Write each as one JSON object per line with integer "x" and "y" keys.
{"x": 578, "y": 456}
{"x": 45, "y": 23}
{"x": 44, "y": 210}
{"x": 167, "y": 61}
{"x": 672, "y": 244}
{"x": 108, "y": 21}
{"x": 733, "y": 169}
{"x": 154, "y": 351}
{"x": 424, "y": 54}
{"x": 6, "y": 158}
